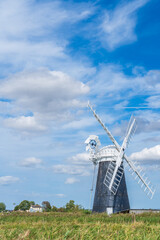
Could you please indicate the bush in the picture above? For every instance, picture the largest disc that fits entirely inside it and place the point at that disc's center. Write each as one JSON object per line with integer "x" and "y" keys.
{"x": 61, "y": 209}
{"x": 54, "y": 209}
{"x": 86, "y": 211}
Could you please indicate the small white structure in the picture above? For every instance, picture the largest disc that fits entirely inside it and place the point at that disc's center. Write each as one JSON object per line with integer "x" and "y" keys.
{"x": 35, "y": 208}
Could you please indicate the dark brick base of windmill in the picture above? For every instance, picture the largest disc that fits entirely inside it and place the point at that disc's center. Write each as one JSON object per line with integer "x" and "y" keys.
{"x": 104, "y": 200}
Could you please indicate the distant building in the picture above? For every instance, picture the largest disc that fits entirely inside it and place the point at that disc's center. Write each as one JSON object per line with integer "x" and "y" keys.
{"x": 139, "y": 211}
{"x": 35, "y": 208}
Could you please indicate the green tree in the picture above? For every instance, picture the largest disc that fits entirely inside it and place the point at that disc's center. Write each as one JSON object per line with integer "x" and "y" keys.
{"x": 16, "y": 208}
{"x": 70, "y": 206}
{"x": 46, "y": 206}
{"x": 2, "y": 206}
{"x": 32, "y": 203}
{"x": 78, "y": 207}
{"x": 24, "y": 205}
{"x": 54, "y": 209}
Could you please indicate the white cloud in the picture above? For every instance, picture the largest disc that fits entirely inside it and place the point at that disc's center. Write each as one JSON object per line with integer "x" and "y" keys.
{"x": 24, "y": 124}
{"x": 112, "y": 86}
{"x": 151, "y": 81}
{"x": 48, "y": 95}
{"x": 121, "y": 105}
{"x": 153, "y": 101}
{"x": 38, "y": 15}
{"x": 81, "y": 123}
{"x": 6, "y": 180}
{"x": 111, "y": 80}
{"x": 112, "y": 83}
{"x": 60, "y": 195}
{"x": 149, "y": 156}
{"x": 31, "y": 30}
{"x": 80, "y": 159}
{"x": 71, "y": 169}
{"x": 71, "y": 180}
{"x": 31, "y": 162}
{"x": 119, "y": 24}
{"x": 146, "y": 122}
{"x": 79, "y": 165}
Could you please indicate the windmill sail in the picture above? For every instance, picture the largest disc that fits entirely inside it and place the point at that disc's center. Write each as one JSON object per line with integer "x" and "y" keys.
{"x": 105, "y": 128}
{"x": 141, "y": 178}
{"x": 111, "y": 176}
{"x": 111, "y": 180}
{"x": 130, "y": 130}
{"x": 115, "y": 173}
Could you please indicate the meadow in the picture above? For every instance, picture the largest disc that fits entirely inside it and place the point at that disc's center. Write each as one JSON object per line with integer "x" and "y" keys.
{"x": 66, "y": 225}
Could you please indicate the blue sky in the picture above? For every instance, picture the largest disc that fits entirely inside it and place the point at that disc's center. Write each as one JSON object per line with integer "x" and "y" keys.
{"x": 54, "y": 57}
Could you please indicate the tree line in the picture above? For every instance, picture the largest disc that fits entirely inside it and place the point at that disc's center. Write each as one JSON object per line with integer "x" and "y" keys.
{"x": 25, "y": 205}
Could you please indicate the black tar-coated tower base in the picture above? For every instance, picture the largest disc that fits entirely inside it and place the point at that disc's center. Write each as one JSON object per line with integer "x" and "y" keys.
{"x": 104, "y": 200}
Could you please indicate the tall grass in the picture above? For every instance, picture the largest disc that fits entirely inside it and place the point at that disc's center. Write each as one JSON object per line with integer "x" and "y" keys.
{"x": 79, "y": 226}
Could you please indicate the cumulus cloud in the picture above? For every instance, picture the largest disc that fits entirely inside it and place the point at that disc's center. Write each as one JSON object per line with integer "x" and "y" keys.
{"x": 71, "y": 180}
{"x": 7, "y": 180}
{"x": 79, "y": 165}
{"x": 44, "y": 96}
{"x": 80, "y": 123}
{"x": 24, "y": 124}
{"x": 71, "y": 169}
{"x": 119, "y": 24}
{"x": 31, "y": 162}
{"x": 149, "y": 156}
{"x": 80, "y": 159}
{"x": 48, "y": 95}
{"x": 39, "y": 90}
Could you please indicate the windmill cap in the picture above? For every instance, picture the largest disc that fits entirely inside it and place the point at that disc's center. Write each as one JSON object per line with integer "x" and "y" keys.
{"x": 93, "y": 137}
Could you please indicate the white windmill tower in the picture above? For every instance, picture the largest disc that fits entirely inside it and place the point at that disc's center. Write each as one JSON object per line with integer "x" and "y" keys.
{"x": 111, "y": 192}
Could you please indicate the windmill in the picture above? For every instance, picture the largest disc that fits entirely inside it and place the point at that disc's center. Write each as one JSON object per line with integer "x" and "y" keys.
{"x": 111, "y": 192}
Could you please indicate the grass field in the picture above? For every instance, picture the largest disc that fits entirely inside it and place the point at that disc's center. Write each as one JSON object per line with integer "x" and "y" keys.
{"x": 79, "y": 226}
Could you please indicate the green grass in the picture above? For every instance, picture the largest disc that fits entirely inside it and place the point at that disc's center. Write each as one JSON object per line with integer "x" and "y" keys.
{"x": 79, "y": 226}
